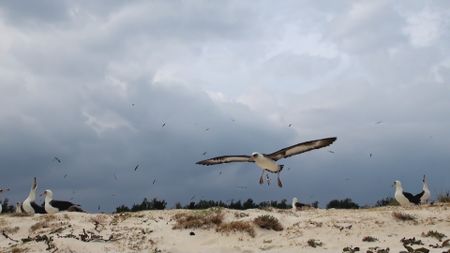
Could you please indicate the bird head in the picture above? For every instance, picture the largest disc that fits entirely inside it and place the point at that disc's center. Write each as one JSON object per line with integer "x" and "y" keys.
{"x": 255, "y": 155}
{"x": 397, "y": 184}
{"x": 48, "y": 193}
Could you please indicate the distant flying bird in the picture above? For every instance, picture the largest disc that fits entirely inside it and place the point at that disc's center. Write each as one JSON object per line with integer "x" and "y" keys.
{"x": 406, "y": 198}
{"x": 378, "y": 122}
{"x": 289, "y": 125}
{"x": 267, "y": 162}
{"x": 132, "y": 104}
{"x": 135, "y": 168}
{"x": 164, "y": 124}
{"x": 65, "y": 175}
{"x": 370, "y": 155}
{"x": 207, "y": 129}
{"x": 331, "y": 151}
{"x": 204, "y": 153}
{"x": 57, "y": 159}
{"x": 154, "y": 181}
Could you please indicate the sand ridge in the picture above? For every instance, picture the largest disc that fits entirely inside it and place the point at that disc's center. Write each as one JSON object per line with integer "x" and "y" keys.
{"x": 313, "y": 230}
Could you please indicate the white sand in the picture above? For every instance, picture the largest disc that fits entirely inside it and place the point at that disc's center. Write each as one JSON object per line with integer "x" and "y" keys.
{"x": 151, "y": 231}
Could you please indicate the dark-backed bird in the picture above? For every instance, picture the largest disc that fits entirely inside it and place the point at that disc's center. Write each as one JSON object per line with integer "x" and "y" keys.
{"x": 29, "y": 205}
{"x": 405, "y": 198}
{"x": 299, "y": 206}
{"x": 57, "y": 159}
{"x": 54, "y": 206}
{"x": 135, "y": 168}
{"x": 267, "y": 162}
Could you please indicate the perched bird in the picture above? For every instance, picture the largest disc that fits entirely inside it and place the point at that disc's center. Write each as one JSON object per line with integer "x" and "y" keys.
{"x": 2, "y": 190}
{"x": 426, "y": 192}
{"x": 18, "y": 207}
{"x": 405, "y": 198}
{"x": 54, "y": 206}
{"x": 267, "y": 162}
{"x": 29, "y": 205}
{"x": 299, "y": 206}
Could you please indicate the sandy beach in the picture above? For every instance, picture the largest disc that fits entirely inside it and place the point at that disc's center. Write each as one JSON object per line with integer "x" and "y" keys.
{"x": 313, "y": 230}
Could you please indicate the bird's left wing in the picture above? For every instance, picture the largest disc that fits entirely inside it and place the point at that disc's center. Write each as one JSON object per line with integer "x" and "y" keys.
{"x": 226, "y": 159}
{"x": 301, "y": 148}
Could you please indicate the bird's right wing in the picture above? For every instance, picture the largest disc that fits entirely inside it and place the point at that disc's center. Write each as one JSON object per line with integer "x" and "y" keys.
{"x": 226, "y": 159}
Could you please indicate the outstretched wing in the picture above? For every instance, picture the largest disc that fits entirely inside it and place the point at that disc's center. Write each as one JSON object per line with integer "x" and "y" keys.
{"x": 301, "y": 148}
{"x": 226, "y": 159}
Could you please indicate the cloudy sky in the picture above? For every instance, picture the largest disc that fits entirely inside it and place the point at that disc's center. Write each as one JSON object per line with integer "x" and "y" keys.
{"x": 93, "y": 82}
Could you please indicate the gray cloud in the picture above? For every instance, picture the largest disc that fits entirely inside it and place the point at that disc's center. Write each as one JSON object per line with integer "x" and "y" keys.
{"x": 92, "y": 83}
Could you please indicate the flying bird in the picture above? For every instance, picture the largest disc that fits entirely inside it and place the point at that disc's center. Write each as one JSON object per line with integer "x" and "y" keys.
{"x": 268, "y": 162}
{"x": 154, "y": 181}
{"x": 135, "y": 168}
{"x": 57, "y": 159}
{"x": 204, "y": 153}
{"x": 164, "y": 124}
{"x": 331, "y": 151}
{"x": 289, "y": 125}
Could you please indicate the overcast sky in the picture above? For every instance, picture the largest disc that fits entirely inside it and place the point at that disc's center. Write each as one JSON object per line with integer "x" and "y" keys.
{"x": 93, "y": 82}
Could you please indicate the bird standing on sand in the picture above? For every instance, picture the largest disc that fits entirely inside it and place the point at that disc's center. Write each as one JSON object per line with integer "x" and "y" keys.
{"x": 29, "y": 205}
{"x": 54, "y": 206}
{"x": 406, "y": 199}
{"x": 299, "y": 206}
{"x": 426, "y": 192}
{"x": 267, "y": 162}
{"x": 2, "y": 190}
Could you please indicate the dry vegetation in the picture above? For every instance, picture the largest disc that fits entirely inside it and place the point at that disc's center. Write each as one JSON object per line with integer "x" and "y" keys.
{"x": 434, "y": 234}
{"x": 444, "y": 197}
{"x": 403, "y": 216}
{"x": 268, "y": 222}
{"x": 314, "y": 243}
{"x": 237, "y": 226}
{"x": 369, "y": 239}
{"x": 200, "y": 219}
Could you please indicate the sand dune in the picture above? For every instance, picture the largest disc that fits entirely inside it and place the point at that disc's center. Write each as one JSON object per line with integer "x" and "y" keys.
{"x": 153, "y": 231}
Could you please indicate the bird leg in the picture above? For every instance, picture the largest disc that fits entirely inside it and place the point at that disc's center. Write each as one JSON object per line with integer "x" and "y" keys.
{"x": 261, "y": 179}
{"x": 279, "y": 180}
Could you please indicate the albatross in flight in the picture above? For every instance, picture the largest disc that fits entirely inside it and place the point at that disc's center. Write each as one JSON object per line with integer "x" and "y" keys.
{"x": 268, "y": 162}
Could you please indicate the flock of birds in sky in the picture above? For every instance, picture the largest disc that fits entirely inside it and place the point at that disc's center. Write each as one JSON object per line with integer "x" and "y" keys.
{"x": 266, "y": 162}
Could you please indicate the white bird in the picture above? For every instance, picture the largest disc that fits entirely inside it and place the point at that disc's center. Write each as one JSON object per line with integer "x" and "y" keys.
{"x": 426, "y": 192}
{"x": 2, "y": 190}
{"x": 29, "y": 205}
{"x": 267, "y": 162}
{"x": 54, "y": 206}
{"x": 405, "y": 198}
{"x": 18, "y": 207}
